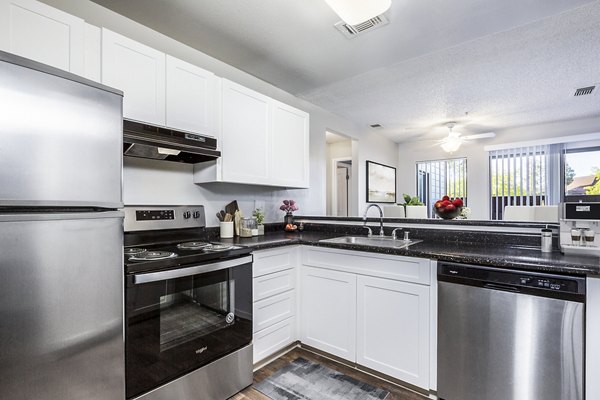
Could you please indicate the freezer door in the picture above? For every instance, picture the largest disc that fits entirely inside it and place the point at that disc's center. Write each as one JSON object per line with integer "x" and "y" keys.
{"x": 61, "y": 141}
{"x": 498, "y": 345}
{"x": 61, "y": 307}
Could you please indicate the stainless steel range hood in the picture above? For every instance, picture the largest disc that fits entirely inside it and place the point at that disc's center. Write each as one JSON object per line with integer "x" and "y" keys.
{"x": 160, "y": 143}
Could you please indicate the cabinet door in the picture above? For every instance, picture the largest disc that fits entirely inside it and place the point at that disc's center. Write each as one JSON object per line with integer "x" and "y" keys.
{"x": 42, "y": 33}
{"x": 245, "y": 135}
{"x": 137, "y": 70}
{"x": 191, "y": 97}
{"x": 289, "y": 146}
{"x": 393, "y": 329}
{"x": 328, "y": 309}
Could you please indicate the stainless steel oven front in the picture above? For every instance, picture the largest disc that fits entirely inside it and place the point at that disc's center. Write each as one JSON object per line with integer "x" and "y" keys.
{"x": 181, "y": 320}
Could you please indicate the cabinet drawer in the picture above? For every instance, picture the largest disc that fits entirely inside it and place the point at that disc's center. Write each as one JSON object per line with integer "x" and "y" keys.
{"x": 269, "y": 261}
{"x": 274, "y": 338}
{"x": 274, "y": 309}
{"x": 272, "y": 284}
{"x": 407, "y": 269}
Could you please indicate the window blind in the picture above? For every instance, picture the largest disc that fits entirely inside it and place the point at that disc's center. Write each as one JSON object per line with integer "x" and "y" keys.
{"x": 524, "y": 176}
{"x": 438, "y": 178}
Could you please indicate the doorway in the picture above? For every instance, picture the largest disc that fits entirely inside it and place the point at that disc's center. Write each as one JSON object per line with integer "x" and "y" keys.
{"x": 340, "y": 187}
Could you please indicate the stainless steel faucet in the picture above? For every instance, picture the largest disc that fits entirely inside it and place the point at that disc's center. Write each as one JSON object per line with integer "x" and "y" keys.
{"x": 380, "y": 220}
{"x": 394, "y": 233}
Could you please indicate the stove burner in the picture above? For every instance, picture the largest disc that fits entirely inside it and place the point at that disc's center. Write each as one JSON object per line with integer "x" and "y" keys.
{"x": 193, "y": 245}
{"x": 217, "y": 247}
{"x": 153, "y": 255}
{"x": 134, "y": 250}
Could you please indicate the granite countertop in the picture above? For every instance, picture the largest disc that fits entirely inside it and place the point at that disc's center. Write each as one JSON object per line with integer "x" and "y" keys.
{"x": 504, "y": 256}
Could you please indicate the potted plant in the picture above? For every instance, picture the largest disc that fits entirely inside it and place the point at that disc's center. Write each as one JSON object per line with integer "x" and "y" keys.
{"x": 259, "y": 214}
{"x": 413, "y": 207}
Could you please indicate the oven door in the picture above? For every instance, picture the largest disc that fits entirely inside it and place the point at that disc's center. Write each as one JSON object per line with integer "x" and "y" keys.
{"x": 179, "y": 320}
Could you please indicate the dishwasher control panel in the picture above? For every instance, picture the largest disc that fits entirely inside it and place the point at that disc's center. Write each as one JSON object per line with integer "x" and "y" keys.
{"x": 553, "y": 284}
{"x": 507, "y": 279}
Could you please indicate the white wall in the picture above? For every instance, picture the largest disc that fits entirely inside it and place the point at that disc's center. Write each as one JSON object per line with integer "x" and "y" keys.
{"x": 374, "y": 147}
{"x": 477, "y": 158}
{"x": 145, "y": 181}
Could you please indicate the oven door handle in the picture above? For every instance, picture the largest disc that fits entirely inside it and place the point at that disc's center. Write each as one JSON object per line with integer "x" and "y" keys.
{"x": 189, "y": 271}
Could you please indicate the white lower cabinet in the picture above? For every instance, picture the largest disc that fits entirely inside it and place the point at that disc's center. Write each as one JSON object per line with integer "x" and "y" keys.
{"x": 274, "y": 338}
{"x": 393, "y": 328}
{"x": 274, "y": 309}
{"x": 368, "y": 308}
{"x": 274, "y": 300}
{"x": 276, "y": 282}
{"x": 371, "y": 309}
{"x": 328, "y": 304}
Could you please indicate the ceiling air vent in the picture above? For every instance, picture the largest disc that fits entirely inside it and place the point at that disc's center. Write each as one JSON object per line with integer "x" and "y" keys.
{"x": 584, "y": 91}
{"x": 351, "y": 31}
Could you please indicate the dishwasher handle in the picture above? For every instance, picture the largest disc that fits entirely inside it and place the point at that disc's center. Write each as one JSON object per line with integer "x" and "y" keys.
{"x": 504, "y": 288}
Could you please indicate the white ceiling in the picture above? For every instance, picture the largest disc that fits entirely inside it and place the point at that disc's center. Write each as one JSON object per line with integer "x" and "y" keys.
{"x": 507, "y": 63}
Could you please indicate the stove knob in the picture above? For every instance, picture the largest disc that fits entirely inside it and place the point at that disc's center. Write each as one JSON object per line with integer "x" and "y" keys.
{"x": 186, "y": 214}
{"x": 196, "y": 214}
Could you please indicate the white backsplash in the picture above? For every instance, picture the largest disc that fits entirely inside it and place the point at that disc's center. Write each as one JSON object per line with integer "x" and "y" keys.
{"x": 150, "y": 182}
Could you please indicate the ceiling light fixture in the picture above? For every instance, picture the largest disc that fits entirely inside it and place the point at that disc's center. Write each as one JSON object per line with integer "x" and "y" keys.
{"x": 353, "y": 12}
{"x": 453, "y": 141}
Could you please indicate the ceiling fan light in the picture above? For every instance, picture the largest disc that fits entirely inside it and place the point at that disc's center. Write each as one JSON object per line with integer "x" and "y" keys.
{"x": 451, "y": 144}
{"x": 353, "y": 12}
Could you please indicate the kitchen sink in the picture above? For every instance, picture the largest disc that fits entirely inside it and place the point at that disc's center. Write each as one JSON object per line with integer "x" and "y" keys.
{"x": 373, "y": 241}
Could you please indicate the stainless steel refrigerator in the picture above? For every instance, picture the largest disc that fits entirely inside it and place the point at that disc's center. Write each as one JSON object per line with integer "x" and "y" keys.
{"x": 61, "y": 276}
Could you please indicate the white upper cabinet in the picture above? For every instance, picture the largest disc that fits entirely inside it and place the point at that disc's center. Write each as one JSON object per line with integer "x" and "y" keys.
{"x": 245, "y": 135}
{"x": 264, "y": 141}
{"x": 160, "y": 89}
{"x": 289, "y": 146}
{"x": 192, "y": 97}
{"x": 137, "y": 70}
{"x": 42, "y": 33}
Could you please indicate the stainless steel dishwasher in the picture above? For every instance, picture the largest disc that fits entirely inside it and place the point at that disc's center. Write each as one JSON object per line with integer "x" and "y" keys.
{"x": 509, "y": 335}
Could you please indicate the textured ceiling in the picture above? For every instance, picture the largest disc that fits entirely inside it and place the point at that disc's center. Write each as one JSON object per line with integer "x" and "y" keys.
{"x": 519, "y": 77}
{"x": 507, "y": 63}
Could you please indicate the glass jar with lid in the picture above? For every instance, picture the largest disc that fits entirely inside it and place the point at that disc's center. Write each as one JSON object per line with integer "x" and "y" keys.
{"x": 248, "y": 227}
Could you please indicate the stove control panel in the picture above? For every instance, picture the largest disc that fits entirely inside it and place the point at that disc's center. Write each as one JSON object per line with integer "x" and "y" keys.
{"x": 146, "y": 218}
{"x": 152, "y": 215}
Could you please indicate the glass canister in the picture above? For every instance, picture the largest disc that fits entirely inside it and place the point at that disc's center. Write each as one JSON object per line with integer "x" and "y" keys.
{"x": 248, "y": 227}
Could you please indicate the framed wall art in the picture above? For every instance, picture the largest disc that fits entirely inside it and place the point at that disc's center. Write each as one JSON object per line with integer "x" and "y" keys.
{"x": 381, "y": 183}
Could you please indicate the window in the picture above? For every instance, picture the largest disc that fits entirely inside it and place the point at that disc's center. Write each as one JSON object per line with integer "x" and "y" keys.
{"x": 582, "y": 174}
{"x": 524, "y": 176}
{"x": 439, "y": 178}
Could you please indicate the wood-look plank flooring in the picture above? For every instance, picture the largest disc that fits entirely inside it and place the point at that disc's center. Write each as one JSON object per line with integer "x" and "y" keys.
{"x": 396, "y": 393}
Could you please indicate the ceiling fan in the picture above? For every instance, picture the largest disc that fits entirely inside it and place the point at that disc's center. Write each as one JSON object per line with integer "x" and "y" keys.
{"x": 454, "y": 140}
